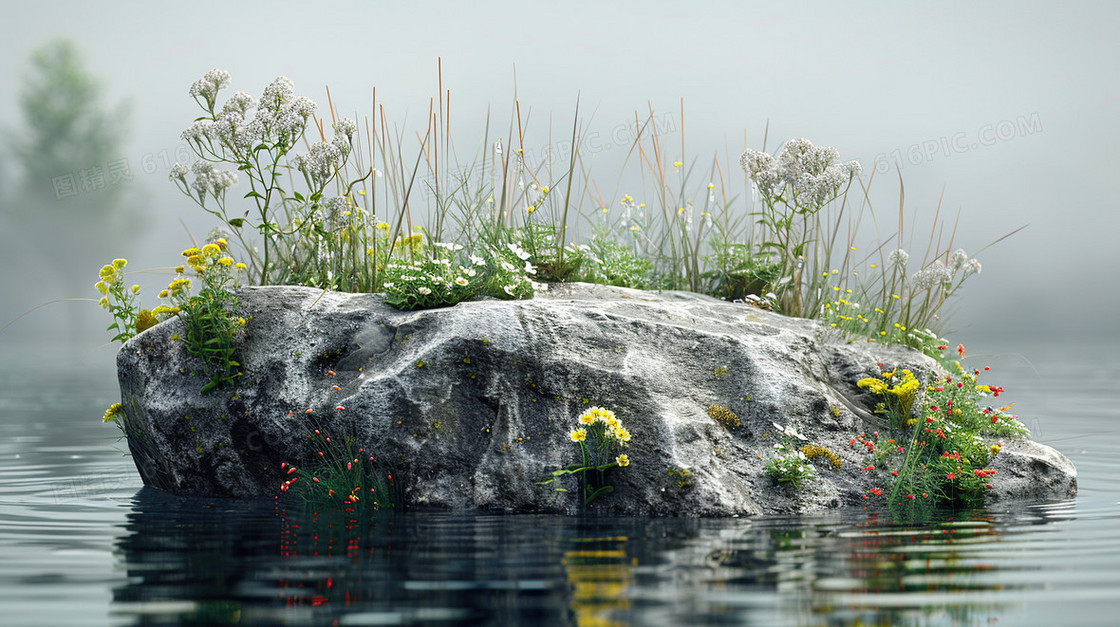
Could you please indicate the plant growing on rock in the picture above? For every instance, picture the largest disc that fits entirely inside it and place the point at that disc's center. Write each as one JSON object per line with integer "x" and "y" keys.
{"x": 209, "y": 317}
{"x": 120, "y": 301}
{"x": 257, "y": 137}
{"x": 790, "y": 465}
{"x": 898, "y": 390}
{"x": 793, "y": 188}
{"x": 601, "y": 440}
{"x": 344, "y": 476}
{"x": 944, "y": 452}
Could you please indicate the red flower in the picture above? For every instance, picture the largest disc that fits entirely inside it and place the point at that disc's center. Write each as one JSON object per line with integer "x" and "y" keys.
{"x": 909, "y": 496}
{"x": 951, "y": 476}
{"x": 960, "y": 349}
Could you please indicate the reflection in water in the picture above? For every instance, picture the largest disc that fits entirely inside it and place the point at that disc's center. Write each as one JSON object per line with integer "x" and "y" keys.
{"x": 203, "y": 562}
{"x": 599, "y": 572}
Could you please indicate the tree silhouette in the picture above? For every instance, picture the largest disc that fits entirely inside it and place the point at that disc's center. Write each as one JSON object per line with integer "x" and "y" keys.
{"x": 70, "y": 203}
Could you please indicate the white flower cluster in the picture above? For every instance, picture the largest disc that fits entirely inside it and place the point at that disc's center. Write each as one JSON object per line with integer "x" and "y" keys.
{"x": 280, "y": 119}
{"x": 939, "y": 274}
{"x": 931, "y": 276}
{"x": 898, "y": 257}
{"x": 208, "y": 180}
{"x": 208, "y": 86}
{"x": 814, "y": 173}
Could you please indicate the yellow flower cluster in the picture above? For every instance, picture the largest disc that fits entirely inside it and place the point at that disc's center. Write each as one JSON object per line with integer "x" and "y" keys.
{"x": 111, "y": 414}
{"x": 724, "y": 416}
{"x": 903, "y": 391}
{"x": 613, "y": 425}
{"x": 811, "y": 451}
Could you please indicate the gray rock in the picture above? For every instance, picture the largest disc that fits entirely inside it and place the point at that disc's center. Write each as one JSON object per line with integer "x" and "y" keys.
{"x": 470, "y": 406}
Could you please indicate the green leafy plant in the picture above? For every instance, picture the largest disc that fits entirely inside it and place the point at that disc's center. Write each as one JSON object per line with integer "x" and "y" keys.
{"x": 210, "y": 319}
{"x": 737, "y": 272}
{"x": 601, "y": 440}
{"x": 118, "y": 300}
{"x": 290, "y": 223}
{"x": 789, "y": 465}
{"x": 898, "y": 391}
{"x": 944, "y": 453}
{"x": 343, "y": 476}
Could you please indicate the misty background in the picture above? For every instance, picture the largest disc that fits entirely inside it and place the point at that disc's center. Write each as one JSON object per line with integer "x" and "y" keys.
{"x": 1010, "y": 108}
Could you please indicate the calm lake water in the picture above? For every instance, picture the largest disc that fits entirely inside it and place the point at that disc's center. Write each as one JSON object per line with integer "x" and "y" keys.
{"x": 82, "y": 543}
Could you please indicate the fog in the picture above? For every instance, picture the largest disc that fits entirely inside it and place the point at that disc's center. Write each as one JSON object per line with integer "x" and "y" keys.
{"x": 1007, "y": 112}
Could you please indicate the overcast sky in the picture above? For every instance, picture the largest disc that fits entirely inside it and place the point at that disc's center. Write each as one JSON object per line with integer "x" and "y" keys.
{"x": 1011, "y": 107}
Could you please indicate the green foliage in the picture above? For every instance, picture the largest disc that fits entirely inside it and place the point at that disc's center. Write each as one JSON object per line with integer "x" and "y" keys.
{"x": 682, "y": 477}
{"x": 609, "y": 262}
{"x": 600, "y": 441}
{"x": 293, "y": 225}
{"x": 210, "y": 317}
{"x": 314, "y": 215}
{"x": 70, "y": 201}
{"x": 343, "y": 476}
{"x": 789, "y": 465}
{"x": 66, "y": 127}
{"x": 944, "y": 454}
{"x": 118, "y": 300}
{"x": 898, "y": 391}
{"x": 737, "y": 272}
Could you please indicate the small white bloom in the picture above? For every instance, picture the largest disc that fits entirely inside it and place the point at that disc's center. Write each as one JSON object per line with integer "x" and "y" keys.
{"x": 957, "y": 259}
{"x": 461, "y": 282}
{"x": 424, "y": 290}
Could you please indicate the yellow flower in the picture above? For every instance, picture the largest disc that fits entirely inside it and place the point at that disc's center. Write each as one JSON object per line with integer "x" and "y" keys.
{"x": 190, "y": 252}
{"x": 180, "y": 269}
{"x": 108, "y": 274}
{"x": 544, "y": 190}
{"x": 875, "y": 386}
{"x": 622, "y": 460}
{"x": 579, "y": 435}
{"x": 225, "y": 261}
{"x": 135, "y": 289}
{"x": 111, "y": 414}
{"x": 197, "y": 262}
{"x": 241, "y": 322}
{"x": 613, "y": 423}
{"x": 222, "y": 243}
{"x": 382, "y": 226}
{"x": 211, "y": 250}
{"x": 104, "y": 302}
{"x": 145, "y": 320}
{"x": 119, "y": 264}
{"x": 164, "y": 294}
{"x": 677, "y": 164}
{"x": 622, "y": 434}
{"x": 240, "y": 267}
{"x": 100, "y": 286}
